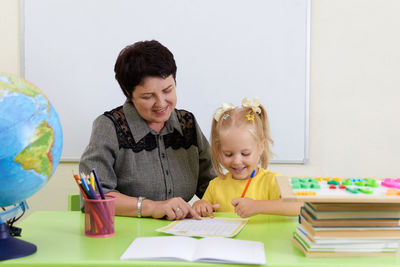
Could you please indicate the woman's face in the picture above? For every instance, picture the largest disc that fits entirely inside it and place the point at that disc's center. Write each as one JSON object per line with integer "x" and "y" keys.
{"x": 155, "y": 99}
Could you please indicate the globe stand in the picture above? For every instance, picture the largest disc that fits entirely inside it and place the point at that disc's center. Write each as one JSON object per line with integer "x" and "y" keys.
{"x": 11, "y": 247}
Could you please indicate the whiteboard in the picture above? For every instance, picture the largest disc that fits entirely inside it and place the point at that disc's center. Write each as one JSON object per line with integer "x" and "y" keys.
{"x": 224, "y": 49}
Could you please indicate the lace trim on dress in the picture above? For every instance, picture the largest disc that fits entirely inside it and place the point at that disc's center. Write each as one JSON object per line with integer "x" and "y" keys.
{"x": 174, "y": 140}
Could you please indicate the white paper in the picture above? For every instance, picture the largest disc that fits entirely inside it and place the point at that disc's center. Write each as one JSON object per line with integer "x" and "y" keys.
{"x": 161, "y": 248}
{"x": 228, "y": 250}
{"x": 206, "y": 227}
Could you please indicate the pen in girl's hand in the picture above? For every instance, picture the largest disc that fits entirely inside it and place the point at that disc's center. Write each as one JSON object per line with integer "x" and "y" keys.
{"x": 248, "y": 183}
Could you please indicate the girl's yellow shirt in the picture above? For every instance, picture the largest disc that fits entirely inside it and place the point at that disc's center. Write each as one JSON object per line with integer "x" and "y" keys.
{"x": 222, "y": 190}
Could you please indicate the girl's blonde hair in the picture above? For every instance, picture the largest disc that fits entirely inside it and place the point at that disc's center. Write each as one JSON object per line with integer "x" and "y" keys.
{"x": 253, "y": 116}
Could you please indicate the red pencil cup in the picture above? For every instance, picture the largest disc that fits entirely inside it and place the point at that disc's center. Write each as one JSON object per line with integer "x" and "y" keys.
{"x": 99, "y": 217}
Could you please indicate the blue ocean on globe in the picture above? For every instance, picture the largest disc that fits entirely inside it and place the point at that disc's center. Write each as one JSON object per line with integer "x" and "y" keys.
{"x": 31, "y": 140}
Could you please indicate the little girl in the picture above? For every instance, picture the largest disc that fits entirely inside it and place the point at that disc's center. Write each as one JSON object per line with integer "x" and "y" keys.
{"x": 240, "y": 143}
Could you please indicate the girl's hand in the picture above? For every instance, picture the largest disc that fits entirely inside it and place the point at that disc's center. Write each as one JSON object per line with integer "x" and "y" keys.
{"x": 245, "y": 207}
{"x": 173, "y": 209}
{"x": 204, "y": 208}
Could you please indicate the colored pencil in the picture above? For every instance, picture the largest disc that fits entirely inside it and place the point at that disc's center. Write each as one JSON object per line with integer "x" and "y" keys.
{"x": 91, "y": 178}
{"x": 96, "y": 179}
{"x": 86, "y": 187}
{"x": 81, "y": 188}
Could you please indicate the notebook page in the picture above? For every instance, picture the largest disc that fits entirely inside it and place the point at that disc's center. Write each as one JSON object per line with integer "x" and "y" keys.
{"x": 161, "y": 248}
{"x": 206, "y": 227}
{"x": 228, "y": 250}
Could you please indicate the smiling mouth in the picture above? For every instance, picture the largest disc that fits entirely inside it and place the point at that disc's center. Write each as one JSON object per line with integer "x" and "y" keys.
{"x": 161, "y": 111}
{"x": 239, "y": 170}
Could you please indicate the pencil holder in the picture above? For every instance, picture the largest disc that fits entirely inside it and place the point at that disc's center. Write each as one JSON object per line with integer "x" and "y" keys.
{"x": 99, "y": 217}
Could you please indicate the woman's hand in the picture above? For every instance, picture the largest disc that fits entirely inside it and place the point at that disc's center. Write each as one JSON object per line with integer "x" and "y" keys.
{"x": 204, "y": 208}
{"x": 173, "y": 209}
{"x": 245, "y": 207}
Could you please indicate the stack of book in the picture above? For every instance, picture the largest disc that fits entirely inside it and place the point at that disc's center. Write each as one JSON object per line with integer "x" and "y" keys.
{"x": 348, "y": 229}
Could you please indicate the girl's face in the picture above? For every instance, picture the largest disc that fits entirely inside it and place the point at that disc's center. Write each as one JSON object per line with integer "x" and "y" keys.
{"x": 240, "y": 152}
{"x": 155, "y": 99}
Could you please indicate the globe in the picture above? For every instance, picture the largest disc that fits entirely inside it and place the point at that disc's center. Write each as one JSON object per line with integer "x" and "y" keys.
{"x": 31, "y": 140}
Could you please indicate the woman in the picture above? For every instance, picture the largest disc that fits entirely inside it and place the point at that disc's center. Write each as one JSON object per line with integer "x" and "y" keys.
{"x": 152, "y": 157}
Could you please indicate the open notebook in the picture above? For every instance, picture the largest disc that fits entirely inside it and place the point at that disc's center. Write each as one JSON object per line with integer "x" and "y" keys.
{"x": 208, "y": 249}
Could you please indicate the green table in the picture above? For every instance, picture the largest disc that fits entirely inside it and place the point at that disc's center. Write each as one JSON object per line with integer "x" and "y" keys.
{"x": 60, "y": 241}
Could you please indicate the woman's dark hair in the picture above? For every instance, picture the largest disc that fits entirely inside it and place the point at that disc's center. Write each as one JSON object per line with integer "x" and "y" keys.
{"x": 140, "y": 60}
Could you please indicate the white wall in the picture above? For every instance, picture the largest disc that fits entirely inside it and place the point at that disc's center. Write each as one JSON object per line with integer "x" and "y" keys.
{"x": 9, "y": 33}
{"x": 355, "y": 93}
